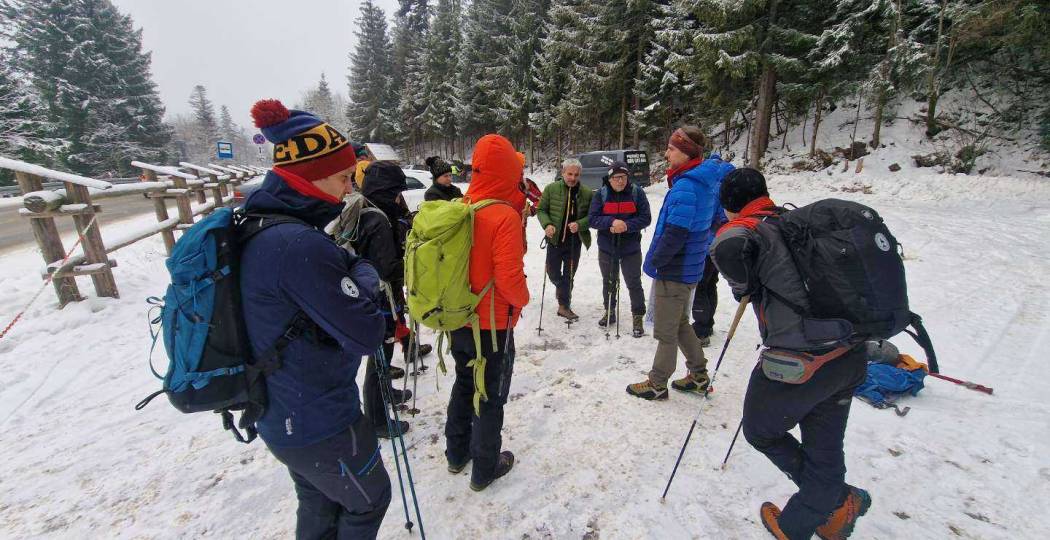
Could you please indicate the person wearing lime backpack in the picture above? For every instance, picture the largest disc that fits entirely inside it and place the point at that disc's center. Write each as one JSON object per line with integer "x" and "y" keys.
{"x": 496, "y": 257}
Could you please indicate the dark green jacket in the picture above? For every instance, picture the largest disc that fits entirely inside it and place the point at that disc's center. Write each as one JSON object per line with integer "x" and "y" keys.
{"x": 554, "y": 203}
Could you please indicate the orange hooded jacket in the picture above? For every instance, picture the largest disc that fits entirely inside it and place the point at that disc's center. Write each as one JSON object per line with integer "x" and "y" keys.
{"x": 499, "y": 240}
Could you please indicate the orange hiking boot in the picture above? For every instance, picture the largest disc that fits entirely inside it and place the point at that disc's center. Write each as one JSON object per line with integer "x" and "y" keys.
{"x": 840, "y": 523}
{"x": 770, "y": 514}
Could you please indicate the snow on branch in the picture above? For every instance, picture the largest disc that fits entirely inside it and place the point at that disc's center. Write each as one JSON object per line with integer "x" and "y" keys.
{"x": 29, "y": 168}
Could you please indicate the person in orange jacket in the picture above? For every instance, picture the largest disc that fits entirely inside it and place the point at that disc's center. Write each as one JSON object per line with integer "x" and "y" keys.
{"x": 496, "y": 256}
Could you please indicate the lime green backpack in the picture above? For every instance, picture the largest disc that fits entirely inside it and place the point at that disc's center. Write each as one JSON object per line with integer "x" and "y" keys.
{"x": 437, "y": 276}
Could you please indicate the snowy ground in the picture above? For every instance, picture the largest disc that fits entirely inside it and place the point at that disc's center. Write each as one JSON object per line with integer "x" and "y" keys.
{"x": 80, "y": 462}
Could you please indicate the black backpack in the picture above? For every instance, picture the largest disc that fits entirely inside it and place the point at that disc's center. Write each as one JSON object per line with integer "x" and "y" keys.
{"x": 851, "y": 266}
{"x": 210, "y": 366}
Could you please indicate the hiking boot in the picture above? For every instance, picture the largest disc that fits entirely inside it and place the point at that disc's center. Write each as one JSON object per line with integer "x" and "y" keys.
{"x": 401, "y": 396}
{"x": 693, "y": 382}
{"x": 395, "y": 372}
{"x": 456, "y": 468}
{"x": 425, "y": 350}
{"x": 639, "y": 325}
{"x": 503, "y": 466}
{"x": 647, "y": 390}
{"x": 770, "y": 515}
{"x": 565, "y": 312}
{"x": 840, "y": 523}
{"x": 383, "y": 432}
{"x": 607, "y": 319}
{"x": 705, "y": 342}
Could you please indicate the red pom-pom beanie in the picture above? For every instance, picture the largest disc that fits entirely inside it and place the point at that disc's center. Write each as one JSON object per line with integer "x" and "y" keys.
{"x": 302, "y": 143}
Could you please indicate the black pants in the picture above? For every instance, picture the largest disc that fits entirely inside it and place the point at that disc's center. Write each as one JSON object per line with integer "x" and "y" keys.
{"x": 342, "y": 486}
{"x": 630, "y": 267}
{"x": 467, "y": 434}
{"x": 562, "y": 262}
{"x": 705, "y": 301}
{"x": 817, "y": 465}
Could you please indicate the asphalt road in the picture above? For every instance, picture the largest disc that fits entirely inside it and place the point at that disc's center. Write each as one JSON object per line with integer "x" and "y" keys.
{"x": 15, "y": 231}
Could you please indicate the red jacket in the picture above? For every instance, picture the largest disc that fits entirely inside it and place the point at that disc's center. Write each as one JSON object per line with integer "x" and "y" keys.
{"x": 499, "y": 240}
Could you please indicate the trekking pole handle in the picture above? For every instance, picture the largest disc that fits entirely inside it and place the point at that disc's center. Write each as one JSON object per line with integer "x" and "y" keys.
{"x": 738, "y": 315}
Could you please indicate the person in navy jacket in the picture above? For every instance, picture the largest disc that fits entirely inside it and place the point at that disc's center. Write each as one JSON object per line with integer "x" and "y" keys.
{"x": 676, "y": 261}
{"x": 619, "y": 211}
{"x": 291, "y": 272}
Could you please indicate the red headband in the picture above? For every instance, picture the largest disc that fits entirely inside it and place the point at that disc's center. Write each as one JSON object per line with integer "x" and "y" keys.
{"x": 684, "y": 144}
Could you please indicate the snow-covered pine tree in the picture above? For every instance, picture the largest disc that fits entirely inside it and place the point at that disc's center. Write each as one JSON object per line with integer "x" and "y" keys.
{"x": 206, "y": 127}
{"x": 320, "y": 101}
{"x": 371, "y": 105}
{"x": 484, "y": 71}
{"x": 663, "y": 84}
{"x": 440, "y": 74}
{"x": 234, "y": 134}
{"x": 560, "y": 48}
{"x": 85, "y": 58}
{"x": 528, "y": 18}
{"x": 407, "y": 79}
{"x": 843, "y": 61}
{"x": 25, "y": 132}
{"x": 766, "y": 41}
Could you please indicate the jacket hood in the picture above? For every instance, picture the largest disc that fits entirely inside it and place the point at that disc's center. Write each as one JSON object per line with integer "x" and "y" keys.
{"x": 496, "y": 172}
{"x": 384, "y": 181}
{"x": 277, "y": 197}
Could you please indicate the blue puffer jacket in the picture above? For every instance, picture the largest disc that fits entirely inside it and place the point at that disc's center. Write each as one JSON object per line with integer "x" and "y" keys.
{"x": 629, "y": 205}
{"x": 683, "y": 230}
{"x": 292, "y": 267}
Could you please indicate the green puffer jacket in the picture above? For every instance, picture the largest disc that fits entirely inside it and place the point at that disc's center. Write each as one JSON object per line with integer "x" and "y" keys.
{"x": 554, "y": 204}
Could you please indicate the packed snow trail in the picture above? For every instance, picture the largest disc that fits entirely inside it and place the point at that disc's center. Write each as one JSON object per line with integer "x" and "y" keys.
{"x": 592, "y": 461}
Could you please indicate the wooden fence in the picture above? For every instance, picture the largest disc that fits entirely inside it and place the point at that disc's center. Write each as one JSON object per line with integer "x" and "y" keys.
{"x": 188, "y": 184}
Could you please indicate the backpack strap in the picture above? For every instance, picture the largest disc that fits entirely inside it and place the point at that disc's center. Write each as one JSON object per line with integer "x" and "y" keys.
{"x": 923, "y": 339}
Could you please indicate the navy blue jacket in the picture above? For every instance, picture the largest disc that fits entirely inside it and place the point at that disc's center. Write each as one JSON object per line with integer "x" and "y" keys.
{"x": 683, "y": 230}
{"x": 291, "y": 267}
{"x": 629, "y": 205}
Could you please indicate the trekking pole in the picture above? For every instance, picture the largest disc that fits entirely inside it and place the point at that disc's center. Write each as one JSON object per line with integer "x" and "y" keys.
{"x": 732, "y": 330}
{"x": 617, "y": 275}
{"x": 413, "y": 345}
{"x": 737, "y": 434}
{"x": 543, "y": 291}
{"x": 572, "y": 271}
{"x": 608, "y": 303}
{"x": 394, "y": 428}
{"x": 967, "y": 384}
{"x": 388, "y": 404}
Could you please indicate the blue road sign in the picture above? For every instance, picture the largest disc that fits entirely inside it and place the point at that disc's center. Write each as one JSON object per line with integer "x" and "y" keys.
{"x": 225, "y": 150}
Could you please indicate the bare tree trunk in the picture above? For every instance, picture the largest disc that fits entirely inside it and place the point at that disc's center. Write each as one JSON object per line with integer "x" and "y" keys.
{"x": 623, "y": 119}
{"x": 728, "y": 125}
{"x": 934, "y": 85}
{"x": 885, "y": 72}
{"x": 880, "y": 106}
{"x": 805, "y": 119}
{"x": 763, "y": 116}
{"x": 816, "y": 122}
{"x": 856, "y": 122}
{"x": 532, "y": 151}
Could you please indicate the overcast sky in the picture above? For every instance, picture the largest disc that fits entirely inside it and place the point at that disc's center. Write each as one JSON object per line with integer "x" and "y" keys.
{"x": 244, "y": 50}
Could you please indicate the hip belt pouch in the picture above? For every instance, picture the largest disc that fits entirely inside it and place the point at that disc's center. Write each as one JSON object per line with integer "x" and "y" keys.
{"x": 794, "y": 367}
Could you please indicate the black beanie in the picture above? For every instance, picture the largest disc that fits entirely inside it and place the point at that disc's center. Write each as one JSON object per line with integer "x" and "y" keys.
{"x": 740, "y": 187}
{"x": 437, "y": 166}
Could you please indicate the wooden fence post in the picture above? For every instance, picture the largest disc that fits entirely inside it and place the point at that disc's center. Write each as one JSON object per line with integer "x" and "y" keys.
{"x": 160, "y": 207}
{"x": 50, "y": 243}
{"x": 182, "y": 200}
{"x": 216, "y": 192}
{"x": 94, "y": 249}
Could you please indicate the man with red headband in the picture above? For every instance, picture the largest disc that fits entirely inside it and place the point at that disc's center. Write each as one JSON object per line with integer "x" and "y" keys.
{"x": 676, "y": 261}
{"x": 300, "y": 289}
